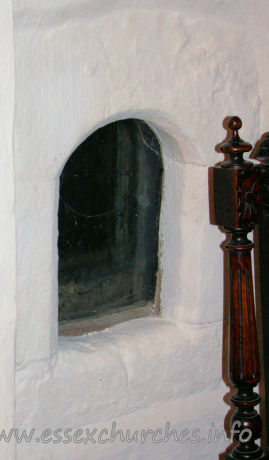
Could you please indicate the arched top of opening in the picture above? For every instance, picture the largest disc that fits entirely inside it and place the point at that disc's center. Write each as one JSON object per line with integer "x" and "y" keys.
{"x": 175, "y": 144}
{"x": 109, "y": 208}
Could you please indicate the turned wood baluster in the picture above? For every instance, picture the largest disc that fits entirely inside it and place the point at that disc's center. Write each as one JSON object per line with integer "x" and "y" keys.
{"x": 244, "y": 361}
{"x": 262, "y": 155}
{"x": 237, "y": 207}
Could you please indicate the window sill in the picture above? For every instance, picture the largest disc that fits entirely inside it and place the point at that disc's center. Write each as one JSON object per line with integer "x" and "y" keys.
{"x": 119, "y": 370}
{"x": 101, "y": 322}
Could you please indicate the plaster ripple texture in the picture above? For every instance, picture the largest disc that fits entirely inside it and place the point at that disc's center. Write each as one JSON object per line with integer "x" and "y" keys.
{"x": 76, "y": 77}
{"x": 116, "y": 372}
{"x": 124, "y": 65}
{"x": 182, "y": 68}
{"x": 7, "y": 229}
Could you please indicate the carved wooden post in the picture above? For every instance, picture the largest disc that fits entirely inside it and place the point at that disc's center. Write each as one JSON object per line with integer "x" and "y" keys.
{"x": 237, "y": 201}
{"x": 262, "y": 154}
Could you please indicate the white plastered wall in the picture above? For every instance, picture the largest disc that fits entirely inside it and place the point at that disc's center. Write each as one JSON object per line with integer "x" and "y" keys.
{"x": 7, "y": 228}
{"x": 182, "y": 67}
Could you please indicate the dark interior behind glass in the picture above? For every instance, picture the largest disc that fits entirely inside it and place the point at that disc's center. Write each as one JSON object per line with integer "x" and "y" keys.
{"x": 108, "y": 220}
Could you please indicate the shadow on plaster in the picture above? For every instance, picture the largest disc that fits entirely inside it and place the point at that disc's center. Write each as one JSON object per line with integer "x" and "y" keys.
{"x": 173, "y": 142}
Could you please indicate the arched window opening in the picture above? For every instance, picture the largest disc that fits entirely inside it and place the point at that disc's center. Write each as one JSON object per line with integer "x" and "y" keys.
{"x": 108, "y": 221}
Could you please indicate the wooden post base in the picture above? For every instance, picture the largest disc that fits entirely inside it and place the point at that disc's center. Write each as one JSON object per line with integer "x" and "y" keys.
{"x": 237, "y": 207}
{"x": 256, "y": 454}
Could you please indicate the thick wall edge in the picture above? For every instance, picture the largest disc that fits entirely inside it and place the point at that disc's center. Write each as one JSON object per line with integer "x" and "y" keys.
{"x": 7, "y": 229}
{"x": 202, "y": 71}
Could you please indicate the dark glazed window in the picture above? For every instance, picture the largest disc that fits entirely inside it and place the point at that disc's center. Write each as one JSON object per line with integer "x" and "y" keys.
{"x": 108, "y": 219}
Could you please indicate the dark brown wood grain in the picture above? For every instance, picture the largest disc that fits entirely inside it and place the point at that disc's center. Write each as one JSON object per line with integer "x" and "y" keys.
{"x": 237, "y": 185}
{"x": 262, "y": 277}
{"x": 244, "y": 363}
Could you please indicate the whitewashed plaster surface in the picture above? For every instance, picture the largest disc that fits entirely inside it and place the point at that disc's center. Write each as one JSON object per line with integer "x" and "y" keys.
{"x": 7, "y": 227}
{"x": 181, "y": 66}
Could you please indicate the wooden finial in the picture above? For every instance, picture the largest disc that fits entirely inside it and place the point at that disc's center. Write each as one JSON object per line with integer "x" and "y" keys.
{"x": 235, "y": 146}
{"x": 237, "y": 199}
{"x": 235, "y": 123}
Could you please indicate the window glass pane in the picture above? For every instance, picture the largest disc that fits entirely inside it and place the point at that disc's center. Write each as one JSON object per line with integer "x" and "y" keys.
{"x": 109, "y": 207}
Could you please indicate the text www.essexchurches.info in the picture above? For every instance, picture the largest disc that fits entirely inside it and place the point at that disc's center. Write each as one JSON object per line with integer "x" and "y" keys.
{"x": 111, "y": 434}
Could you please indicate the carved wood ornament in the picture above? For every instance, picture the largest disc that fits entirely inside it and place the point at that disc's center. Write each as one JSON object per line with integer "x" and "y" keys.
{"x": 238, "y": 207}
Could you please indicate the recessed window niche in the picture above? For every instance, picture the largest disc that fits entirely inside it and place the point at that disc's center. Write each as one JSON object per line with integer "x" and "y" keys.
{"x": 108, "y": 222}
